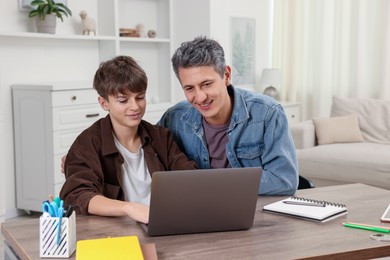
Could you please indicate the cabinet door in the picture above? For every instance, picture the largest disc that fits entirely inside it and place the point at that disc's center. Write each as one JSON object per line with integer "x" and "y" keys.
{"x": 74, "y": 97}
{"x": 76, "y": 117}
{"x": 33, "y": 148}
{"x": 292, "y": 113}
{"x": 62, "y": 140}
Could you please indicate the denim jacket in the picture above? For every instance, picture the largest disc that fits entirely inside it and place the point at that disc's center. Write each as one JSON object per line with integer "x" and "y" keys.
{"x": 258, "y": 137}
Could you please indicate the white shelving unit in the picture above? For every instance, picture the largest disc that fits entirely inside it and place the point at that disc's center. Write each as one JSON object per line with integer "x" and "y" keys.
{"x": 153, "y": 54}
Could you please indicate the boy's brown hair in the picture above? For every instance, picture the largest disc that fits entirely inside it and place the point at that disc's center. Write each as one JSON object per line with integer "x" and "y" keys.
{"x": 119, "y": 75}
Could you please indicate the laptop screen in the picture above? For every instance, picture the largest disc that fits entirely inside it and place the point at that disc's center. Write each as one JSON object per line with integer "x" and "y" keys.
{"x": 206, "y": 200}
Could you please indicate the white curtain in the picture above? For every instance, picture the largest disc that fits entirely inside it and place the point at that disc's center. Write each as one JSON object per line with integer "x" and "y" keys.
{"x": 331, "y": 47}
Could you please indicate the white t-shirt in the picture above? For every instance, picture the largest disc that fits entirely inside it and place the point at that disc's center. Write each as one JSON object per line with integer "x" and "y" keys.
{"x": 135, "y": 175}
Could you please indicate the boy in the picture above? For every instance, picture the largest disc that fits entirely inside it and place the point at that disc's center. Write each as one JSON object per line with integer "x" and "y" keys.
{"x": 109, "y": 166}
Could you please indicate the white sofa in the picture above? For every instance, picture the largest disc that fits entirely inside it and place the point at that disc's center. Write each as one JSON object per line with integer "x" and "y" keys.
{"x": 350, "y": 146}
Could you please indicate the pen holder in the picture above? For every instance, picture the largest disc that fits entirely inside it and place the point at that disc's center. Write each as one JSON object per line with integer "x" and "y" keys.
{"x": 48, "y": 235}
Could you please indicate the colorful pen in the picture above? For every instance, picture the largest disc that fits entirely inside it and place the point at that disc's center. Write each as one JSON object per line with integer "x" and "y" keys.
{"x": 57, "y": 200}
{"x": 68, "y": 211}
{"x": 367, "y": 227}
{"x": 60, "y": 214}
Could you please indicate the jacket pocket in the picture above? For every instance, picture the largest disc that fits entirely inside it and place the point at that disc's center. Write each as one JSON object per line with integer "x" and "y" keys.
{"x": 249, "y": 155}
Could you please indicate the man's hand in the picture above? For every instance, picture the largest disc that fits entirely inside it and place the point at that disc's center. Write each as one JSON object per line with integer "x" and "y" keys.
{"x": 63, "y": 163}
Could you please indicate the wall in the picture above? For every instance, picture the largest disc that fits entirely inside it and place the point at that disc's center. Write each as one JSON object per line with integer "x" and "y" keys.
{"x": 261, "y": 11}
{"x": 26, "y": 59}
{"x": 2, "y": 180}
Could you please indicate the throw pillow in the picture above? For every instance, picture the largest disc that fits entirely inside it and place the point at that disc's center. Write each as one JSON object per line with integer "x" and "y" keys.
{"x": 373, "y": 116}
{"x": 341, "y": 129}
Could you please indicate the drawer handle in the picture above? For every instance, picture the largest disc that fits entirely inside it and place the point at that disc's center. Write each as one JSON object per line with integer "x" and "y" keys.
{"x": 73, "y": 98}
{"x": 292, "y": 116}
{"x": 92, "y": 115}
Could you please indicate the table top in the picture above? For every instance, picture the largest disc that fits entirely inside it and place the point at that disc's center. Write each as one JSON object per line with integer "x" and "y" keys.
{"x": 271, "y": 237}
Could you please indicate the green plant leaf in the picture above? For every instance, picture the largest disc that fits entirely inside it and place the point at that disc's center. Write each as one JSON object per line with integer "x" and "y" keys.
{"x": 37, "y": 2}
{"x": 43, "y": 7}
{"x": 59, "y": 16}
{"x": 46, "y": 10}
{"x": 61, "y": 12}
{"x": 33, "y": 13}
{"x": 65, "y": 8}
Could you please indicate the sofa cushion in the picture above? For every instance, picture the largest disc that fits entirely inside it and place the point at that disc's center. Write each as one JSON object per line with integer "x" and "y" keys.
{"x": 374, "y": 115}
{"x": 340, "y": 129}
{"x": 367, "y": 163}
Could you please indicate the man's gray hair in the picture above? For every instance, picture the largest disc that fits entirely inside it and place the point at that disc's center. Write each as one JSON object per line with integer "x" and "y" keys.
{"x": 199, "y": 52}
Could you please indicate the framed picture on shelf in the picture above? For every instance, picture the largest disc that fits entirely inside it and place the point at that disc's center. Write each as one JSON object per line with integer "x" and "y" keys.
{"x": 243, "y": 41}
{"x": 25, "y": 5}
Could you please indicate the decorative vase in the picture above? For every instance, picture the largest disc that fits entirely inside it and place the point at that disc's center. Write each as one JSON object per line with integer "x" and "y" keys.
{"x": 47, "y": 25}
{"x": 152, "y": 34}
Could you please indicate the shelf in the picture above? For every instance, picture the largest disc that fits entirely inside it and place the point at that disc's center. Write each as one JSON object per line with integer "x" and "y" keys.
{"x": 56, "y": 36}
{"x": 82, "y": 37}
{"x": 143, "y": 39}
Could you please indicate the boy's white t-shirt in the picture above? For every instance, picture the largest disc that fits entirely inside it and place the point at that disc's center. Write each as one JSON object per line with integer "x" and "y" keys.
{"x": 135, "y": 175}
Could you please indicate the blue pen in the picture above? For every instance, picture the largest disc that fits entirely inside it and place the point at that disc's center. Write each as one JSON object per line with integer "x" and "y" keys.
{"x": 60, "y": 213}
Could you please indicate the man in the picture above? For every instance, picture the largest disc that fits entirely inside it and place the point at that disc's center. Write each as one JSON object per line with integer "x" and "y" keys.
{"x": 222, "y": 126}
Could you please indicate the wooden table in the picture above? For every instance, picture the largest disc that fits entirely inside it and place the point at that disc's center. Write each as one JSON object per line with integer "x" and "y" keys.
{"x": 271, "y": 237}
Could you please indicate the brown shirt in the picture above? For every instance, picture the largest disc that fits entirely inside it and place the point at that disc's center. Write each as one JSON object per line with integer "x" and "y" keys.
{"x": 93, "y": 163}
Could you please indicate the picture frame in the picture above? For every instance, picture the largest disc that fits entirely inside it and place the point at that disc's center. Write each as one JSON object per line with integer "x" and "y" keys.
{"x": 25, "y": 5}
{"x": 243, "y": 51}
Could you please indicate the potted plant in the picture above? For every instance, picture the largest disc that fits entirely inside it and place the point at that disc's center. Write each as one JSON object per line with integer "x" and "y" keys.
{"x": 46, "y": 13}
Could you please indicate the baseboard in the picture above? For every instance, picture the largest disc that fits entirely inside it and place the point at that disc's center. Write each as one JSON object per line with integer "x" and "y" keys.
{"x": 13, "y": 213}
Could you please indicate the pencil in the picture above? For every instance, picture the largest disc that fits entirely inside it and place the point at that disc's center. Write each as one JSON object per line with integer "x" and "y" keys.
{"x": 367, "y": 227}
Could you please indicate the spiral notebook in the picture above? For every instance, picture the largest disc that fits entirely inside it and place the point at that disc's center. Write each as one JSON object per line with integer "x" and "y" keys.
{"x": 309, "y": 209}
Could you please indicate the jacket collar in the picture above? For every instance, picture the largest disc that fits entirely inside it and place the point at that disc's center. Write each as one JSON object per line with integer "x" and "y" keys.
{"x": 108, "y": 143}
{"x": 240, "y": 109}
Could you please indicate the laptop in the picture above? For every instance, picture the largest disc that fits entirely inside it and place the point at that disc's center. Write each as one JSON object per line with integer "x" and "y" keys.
{"x": 203, "y": 200}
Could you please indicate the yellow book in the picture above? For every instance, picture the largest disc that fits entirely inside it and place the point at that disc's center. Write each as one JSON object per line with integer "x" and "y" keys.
{"x": 118, "y": 248}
